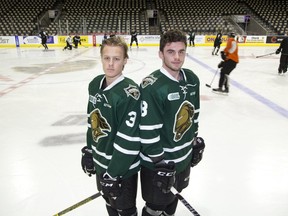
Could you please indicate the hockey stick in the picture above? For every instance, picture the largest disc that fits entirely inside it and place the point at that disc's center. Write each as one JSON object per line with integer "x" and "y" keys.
{"x": 184, "y": 201}
{"x": 265, "y": 55}
{"x": 88, "y": 199}
{"x": 209, "y": 86}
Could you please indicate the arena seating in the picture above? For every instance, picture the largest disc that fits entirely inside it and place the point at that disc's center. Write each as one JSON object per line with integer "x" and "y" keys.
{"x": 203, "y": 17}
{"x": 104, "y": 16}
{"x": 96, "y": 21}
{"x": 273, "y": 13}
{"x": 20, "y": 17}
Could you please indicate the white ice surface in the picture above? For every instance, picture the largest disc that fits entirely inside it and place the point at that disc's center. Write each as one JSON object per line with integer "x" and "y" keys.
{"x": 43, "y": 98}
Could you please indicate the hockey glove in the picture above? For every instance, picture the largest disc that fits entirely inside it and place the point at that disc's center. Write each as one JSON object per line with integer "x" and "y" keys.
{"x": 277, "y": 51}
{"x": 111, "y": 187}
{"x": 87, "y": 161}
{"x": 197, "y": 152}
{"x": 223, "y": 55}
{"x": 221, "y": 64}
{"x": 164, "y": 177}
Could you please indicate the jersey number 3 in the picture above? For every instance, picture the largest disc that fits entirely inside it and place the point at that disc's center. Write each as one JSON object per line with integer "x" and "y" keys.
{"x": 132, "y": 119}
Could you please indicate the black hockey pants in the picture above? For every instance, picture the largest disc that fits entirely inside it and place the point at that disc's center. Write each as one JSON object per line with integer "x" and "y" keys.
{"x": 228, "y": 67}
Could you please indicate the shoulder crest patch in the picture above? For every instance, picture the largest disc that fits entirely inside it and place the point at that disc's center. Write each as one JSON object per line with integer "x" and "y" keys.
{"x": 149, "y": 80}
{"x": 132, "y": 91}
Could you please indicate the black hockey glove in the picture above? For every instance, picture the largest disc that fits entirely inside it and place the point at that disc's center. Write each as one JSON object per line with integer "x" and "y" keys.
{"x": 164, "y": 177}
{"x": 87, "y": 161}
{"x": 223, "y": 55}
{"x": 111, "y": 187}
{"x": 197, "y": 152}
{"x": 221, "y": 64}
{"x": 277, "y": 51}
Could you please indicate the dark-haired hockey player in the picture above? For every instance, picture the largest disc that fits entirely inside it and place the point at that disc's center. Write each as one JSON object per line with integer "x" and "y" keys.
{"x": 134, "y": 38}
{"x": 217, "y": 43}
{"x": 283, "y": 48}
{"x": 230, "y": 60}
{"x": 169, "y": 127}
{"x": 191, "y": 38}
{"x": 44, "y": 36}
{"x": 113, "y": 142}
{"x": 76, "y": 40}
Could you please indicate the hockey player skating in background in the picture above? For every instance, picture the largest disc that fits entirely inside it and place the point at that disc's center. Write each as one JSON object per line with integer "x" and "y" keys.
{"x": 105, "y": 37}
{"x": 68, "y": 41}
{"x": 134, "y": 38}
{"x": 191, "y": 38}
{"x": 76, "y": 40}
{"x": 169, "y": 127}
{"x": 283, "y": 48}
{"x": 230, "y": 60}
{"x": 217, "y": 43}
{"x": 44, "y": 36}
{"x": 112, "y": 139}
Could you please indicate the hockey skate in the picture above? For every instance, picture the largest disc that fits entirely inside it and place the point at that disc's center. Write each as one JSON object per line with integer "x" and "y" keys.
{"x": 281, "y": 72}
{"x": 221, "y": 91}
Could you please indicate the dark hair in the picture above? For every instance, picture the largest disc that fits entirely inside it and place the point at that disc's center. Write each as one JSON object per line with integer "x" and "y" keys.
{"x": 172, "y": 36}
{"x": 232, "y": 34}
{"x": 115, "y": 41}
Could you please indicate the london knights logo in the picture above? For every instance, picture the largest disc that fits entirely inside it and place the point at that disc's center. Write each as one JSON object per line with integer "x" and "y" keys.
{"x": 149, "y": 80}
{"x": 98, "y": 125}
{"x": 132, "y": 91}
{"x": 183, "y": 120}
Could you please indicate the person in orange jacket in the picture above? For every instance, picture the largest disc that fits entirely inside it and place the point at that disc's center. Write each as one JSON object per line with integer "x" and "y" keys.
{"x": 230, "y": 60}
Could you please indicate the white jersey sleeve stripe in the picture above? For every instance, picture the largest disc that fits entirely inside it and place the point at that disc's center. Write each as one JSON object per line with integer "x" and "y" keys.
{"x": 128, "y": 138}
{"x": 177, "y": 148}
{"x": 150, "y": 141}
{"x": 108, "y": 157}
{"x": 135, "y": 165}
{"x": 100, "y": 164}
{"x": 150, "y": 127}
{"x": 125, "y": 151}
{"x": 178, "y": 160}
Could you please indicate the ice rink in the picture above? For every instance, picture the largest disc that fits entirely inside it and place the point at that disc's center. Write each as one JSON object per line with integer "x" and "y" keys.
{"x": 43, "y": 98}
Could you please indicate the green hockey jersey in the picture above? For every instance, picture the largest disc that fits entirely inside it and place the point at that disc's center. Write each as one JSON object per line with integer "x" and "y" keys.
{"x": 113, "y": 126}
{"x": 169, "y": 117}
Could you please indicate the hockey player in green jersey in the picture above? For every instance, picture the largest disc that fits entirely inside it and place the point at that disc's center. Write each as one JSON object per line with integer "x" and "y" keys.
{"x": 168, "y": 127}
{"x": 113, "y": 141}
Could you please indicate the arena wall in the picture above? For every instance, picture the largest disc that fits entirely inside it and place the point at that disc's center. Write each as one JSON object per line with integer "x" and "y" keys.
{"x": 144, "y": 40}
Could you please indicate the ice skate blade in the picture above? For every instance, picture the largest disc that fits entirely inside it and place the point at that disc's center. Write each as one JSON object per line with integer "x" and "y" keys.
{"x": 221, "y": 93}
